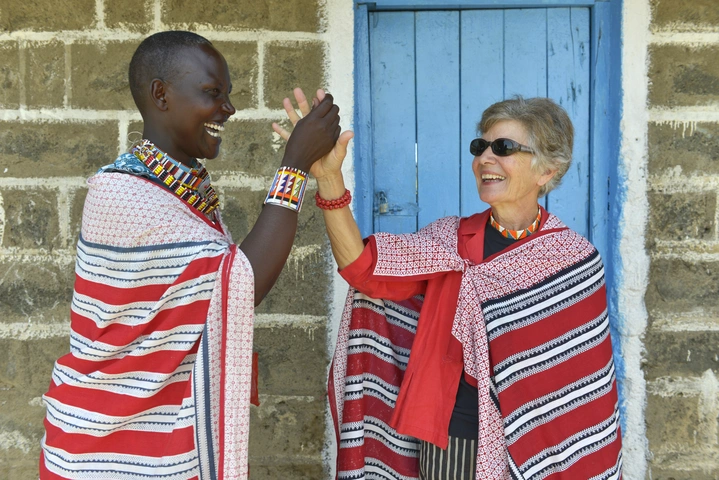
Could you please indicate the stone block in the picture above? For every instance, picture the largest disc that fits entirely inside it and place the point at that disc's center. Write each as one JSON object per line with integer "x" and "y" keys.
{"x": 302, "y": 287}
{"x": 304, "y": 282}
{"x": 694, "y": 148}
{"x": 299, "y": 15}
{"x": 9, "y": 74}
{"x": 681, "y": 216}
{"x": 680, "y": 353}
{"x": 56, "y": 148}
{"x": 680, "y": 286}
{"x": 99, "y": 75}
{"x": 19, "y": 464}
{"x": 242, "y": 61}
{"x": 25, "y": 368}
{"x": 292, "y": 359}
{"x": 133, "y": 15}
{"x": 240, "y": 209}
{"x": 667, "y": 13}
{"x": 77, "y": 202}
{"x": 671, "y": 421}
{"x": 659, "y": 472}
{"x": 683, "y": 75}
{"x": 31, "y": 218}
{"x": 297, "y": 471}
{"x": 47, "y": 15}
{"x": 35, "y": 292}
{"x": 247, "y": 146}
{"x": 45, "y": 74}
{"x": 287, "y": 426}
{"x": 289, "y": 65}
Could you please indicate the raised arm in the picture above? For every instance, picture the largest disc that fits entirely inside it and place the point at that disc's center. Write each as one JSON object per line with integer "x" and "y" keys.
{"x": 268, "y": 244}
{"x": 341, "y": 226}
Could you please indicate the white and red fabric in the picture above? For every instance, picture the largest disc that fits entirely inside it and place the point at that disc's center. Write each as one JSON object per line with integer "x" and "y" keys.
{"x": 533, "y": 326}
{"x": 157, "y": 383}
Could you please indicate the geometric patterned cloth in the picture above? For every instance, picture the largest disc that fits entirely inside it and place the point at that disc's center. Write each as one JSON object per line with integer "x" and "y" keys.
{"x": 158, "y": 379}
{"x": 534, "y": 331}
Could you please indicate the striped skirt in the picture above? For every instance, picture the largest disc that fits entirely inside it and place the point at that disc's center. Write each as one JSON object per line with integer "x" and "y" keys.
{"x": 458, "y": 462}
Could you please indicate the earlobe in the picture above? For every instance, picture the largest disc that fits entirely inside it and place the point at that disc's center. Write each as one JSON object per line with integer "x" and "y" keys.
{"x": 546, "y": 177}
{"x": 158, "y": 91}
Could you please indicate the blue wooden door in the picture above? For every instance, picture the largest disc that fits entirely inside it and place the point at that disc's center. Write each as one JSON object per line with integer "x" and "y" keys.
{"x": 432, "y": 74}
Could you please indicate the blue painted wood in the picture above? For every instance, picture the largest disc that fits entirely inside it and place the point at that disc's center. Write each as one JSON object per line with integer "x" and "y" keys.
{"x": 469, "y": 4}
{"x": 364, "y": 171}
{"x": 392, "y": 51}
{"x": 606, "y": 191}
{"x": 568, "y": 84}
{"x": 482, "y": 84}
{"x": 438, "y": 129}
{"x": 605, "y": 120}
{"x": 525, "y": 52}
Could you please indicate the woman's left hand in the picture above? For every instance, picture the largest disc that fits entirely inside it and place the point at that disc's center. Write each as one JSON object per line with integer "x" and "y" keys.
{"x": 330, "y": 165}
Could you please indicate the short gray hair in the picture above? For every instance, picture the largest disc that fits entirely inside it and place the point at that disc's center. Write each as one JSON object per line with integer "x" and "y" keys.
{"x": 549, "y": 130}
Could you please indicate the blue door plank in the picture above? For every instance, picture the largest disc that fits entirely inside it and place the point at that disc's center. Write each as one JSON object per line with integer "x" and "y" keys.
{"x": 437, "y": 47}
{"x": 364, "y": 168}
{"x": 394, "y": 127}
{"x": 525, "y": 52}
{"x": 568, "y": 84}
{"x": 482, "y": 84}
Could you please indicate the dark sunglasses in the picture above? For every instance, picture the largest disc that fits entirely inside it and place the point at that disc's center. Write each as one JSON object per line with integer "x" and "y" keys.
{"x": 502, "y": 147}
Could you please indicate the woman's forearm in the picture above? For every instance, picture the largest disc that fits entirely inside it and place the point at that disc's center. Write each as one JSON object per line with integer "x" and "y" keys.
{"x": 342, "y": 228}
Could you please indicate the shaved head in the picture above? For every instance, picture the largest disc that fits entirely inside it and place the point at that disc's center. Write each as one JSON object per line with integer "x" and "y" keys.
{"x": 158, "y": 57}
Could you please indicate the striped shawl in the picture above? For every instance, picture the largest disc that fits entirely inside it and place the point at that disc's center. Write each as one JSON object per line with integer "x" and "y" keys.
{"x": 534, "y": 331}
{"x": 157, "y": 382}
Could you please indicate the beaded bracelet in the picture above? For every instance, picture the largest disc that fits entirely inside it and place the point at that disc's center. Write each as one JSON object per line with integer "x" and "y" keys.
{"x": 341, "y": 202}
{"x": 288, "y": 188}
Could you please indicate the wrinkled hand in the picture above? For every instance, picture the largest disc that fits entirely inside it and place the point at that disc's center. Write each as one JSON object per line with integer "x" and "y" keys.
{"x": 331, "y": 163}
{"x": 314, "y": 135}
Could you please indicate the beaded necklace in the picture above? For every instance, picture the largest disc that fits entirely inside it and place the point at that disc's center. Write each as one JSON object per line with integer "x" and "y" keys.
{"x": 517, "y": 234}
{"x": 193, "y": 186}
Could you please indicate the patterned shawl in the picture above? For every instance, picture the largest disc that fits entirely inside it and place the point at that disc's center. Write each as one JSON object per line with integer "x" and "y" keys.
{"x": 157, "y": 382}
{"x": 534, "y": 330}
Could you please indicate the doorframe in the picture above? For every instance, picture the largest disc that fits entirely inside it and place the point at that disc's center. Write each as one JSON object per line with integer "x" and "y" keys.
{"x": 605, "y": 114}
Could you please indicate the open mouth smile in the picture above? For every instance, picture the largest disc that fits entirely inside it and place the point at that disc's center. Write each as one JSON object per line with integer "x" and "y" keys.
{"x": 491, "y": 178}
{"x": 214, "y": 129}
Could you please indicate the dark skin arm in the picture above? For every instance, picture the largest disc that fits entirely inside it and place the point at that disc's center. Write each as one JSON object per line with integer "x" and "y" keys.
{"x": 268, "y": 244}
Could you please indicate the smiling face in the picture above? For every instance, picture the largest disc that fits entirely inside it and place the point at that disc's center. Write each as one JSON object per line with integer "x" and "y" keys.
{"x": 509, "y": 184}
{"x": 197, "y": 105}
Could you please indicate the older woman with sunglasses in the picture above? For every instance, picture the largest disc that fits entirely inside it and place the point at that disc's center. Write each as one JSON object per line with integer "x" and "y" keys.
{"x": 510, "y": 373}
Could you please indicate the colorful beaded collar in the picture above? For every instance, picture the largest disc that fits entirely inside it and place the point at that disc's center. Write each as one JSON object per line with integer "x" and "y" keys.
{"x": 192, "y": 186}
{"x": 517, "y": 234}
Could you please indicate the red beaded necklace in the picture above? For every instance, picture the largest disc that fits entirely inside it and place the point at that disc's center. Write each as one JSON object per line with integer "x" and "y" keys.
{"x": 192, "y": 186}
{"x": 517, "y": 234}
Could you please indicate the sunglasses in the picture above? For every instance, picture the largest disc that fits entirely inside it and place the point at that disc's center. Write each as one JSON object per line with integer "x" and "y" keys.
{"x": 502, "y": 147}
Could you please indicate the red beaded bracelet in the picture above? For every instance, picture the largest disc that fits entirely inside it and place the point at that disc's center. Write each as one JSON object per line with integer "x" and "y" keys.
{"x": 341, "y": 202}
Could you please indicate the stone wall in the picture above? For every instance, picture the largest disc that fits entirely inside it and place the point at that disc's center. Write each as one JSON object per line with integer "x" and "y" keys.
{"x": 65, "y": 110}
{"x": 682, "y": 236}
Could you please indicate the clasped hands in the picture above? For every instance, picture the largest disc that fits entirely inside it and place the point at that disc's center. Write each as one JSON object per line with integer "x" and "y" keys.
{"x": 329, "y": 166}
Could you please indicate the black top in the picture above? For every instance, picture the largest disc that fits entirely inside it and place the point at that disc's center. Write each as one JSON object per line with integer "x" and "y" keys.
{"x": 465, "y": 419}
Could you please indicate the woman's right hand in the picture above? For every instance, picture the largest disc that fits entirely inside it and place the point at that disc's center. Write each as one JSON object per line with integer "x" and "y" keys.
{"x": 329, "y": 165}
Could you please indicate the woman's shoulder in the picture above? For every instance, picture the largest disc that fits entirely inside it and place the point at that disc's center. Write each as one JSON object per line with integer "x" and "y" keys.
{"x": 566, "y": 240}
{"x": 127, "y": 163}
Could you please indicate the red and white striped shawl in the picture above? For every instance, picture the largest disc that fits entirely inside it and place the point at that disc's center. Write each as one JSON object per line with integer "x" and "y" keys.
{"x": 534, "y": 330}
{"x": 157, "y": 382}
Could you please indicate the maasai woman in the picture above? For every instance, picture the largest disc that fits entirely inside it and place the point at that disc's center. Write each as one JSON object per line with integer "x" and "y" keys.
{"x": 503, "y": 369}
{"x": 158, "y": 379}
